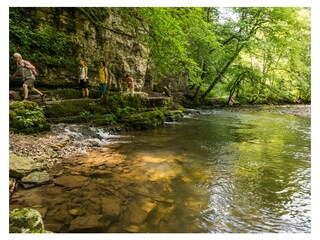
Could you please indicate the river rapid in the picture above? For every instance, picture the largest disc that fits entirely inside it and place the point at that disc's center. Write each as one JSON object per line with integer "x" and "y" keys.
{"x": 217, "y": 171}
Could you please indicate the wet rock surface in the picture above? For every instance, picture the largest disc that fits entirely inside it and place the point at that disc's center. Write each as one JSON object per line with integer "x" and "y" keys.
{"x": 35, "y": 179}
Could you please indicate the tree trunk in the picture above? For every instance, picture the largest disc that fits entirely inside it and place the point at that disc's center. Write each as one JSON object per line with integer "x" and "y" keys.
{"x": 234, "y": 87}
{"x": 203, "y": 74}
{"x": 222, "y": 72}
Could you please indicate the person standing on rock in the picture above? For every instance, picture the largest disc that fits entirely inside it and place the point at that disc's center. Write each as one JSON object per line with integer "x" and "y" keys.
{"x": 25, "y": 69}
{"x": 103, "y": 78}
{"x": 130, "y": 84}
{"x": 83, "y": 79}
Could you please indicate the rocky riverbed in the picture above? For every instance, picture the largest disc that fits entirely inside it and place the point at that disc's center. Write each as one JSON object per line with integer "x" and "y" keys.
{"x": 79, "y": 192}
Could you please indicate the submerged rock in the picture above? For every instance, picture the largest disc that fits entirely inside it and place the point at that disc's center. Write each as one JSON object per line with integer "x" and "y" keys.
{"x": 111, "y": 207}
{"x": 138, "y": 210}
{"x": 71, "y": 181}
{"x": 74, "y": 212}
{"x": 26, "y": 220}
{"x": 132, "y": 229}
{"x": 93, "y": 223}
{"x": 54, "y": 227}
{"x": 35, "y": 179}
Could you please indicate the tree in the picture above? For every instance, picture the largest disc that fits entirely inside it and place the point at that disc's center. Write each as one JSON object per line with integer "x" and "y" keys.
{"x": 245, "y": 28}
{"x": 272, "y": 53}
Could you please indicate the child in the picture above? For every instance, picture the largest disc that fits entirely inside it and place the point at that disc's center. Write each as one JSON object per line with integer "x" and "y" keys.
{"x": 130, "y": 83}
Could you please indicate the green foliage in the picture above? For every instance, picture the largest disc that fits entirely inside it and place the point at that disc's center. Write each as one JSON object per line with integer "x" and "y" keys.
{"x": 171, "y": 34}
{"x": 265, "y": 55}
{"x": 42, "y": 43}
{"x": 110, "y": 118}
{"x": 125, "y": 112}
{"x": 85, "y": 114}
{"x": 27, "y": 117}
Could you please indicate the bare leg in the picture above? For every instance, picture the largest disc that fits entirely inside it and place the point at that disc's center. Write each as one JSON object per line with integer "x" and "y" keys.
{"x": 83, "y": 92}
{"x": 36, "y": 91}
{"x": 25, "y": 91}
{"x": 86, "y": 92}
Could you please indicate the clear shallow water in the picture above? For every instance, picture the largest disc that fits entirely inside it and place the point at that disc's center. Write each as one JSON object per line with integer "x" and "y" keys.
{"x": 217, "y": 171}
{"x": 242, "y": 172}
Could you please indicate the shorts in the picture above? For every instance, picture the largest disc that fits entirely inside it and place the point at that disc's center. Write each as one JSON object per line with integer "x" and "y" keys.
{"x": 29, "y": 83}
{"x": 84, "y": 84}
{"x": 103, "y": 88}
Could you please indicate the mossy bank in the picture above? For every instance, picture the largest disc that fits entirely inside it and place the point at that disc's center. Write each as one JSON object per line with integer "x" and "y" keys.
{"x": 124, "y": 112}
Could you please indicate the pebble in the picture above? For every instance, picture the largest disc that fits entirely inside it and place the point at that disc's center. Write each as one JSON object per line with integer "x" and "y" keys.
{"x": 74, "y": 212}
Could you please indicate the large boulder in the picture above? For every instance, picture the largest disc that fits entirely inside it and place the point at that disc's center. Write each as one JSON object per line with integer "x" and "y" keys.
{"x": 26, "y": 220}
{"x": 20, "y": 166}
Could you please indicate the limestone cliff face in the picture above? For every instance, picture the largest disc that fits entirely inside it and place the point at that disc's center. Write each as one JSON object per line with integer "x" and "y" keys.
{"x": 118, "y": 43}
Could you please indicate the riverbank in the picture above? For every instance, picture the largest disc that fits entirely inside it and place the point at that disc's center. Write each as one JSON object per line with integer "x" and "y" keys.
{"x": 290, "y": 109}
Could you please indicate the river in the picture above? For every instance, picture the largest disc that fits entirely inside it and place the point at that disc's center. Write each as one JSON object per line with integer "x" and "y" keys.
{"x": 217, "y": 171}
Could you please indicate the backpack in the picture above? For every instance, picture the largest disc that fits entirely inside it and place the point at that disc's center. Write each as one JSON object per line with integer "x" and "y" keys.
{"x": 34, "y": 70}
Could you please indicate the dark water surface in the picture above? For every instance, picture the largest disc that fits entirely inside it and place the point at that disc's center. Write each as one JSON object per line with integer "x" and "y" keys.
{"x": 218, "y": 171}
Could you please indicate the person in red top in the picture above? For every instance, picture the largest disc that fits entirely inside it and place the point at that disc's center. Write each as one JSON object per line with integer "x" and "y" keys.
{"x": 130, "y": 84}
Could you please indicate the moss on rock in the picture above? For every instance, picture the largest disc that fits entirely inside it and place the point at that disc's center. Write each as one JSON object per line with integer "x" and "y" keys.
{"x": 145, "y": 120}
{"x": 75, "y": 107}
{"x": 136, "y": 112}
{"x": 26, "y": 220}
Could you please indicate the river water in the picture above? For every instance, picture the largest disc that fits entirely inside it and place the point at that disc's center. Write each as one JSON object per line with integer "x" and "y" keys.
{"x": 216, "y": 171}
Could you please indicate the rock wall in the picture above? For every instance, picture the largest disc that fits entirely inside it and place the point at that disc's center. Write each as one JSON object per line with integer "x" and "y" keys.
{"x": 118, "y": 43}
